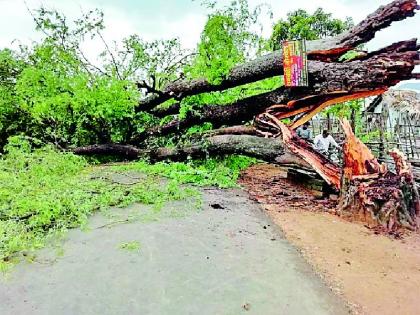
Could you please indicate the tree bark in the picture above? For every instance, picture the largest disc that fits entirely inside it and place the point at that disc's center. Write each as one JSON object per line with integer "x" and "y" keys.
{"x": 329, "y": 83}
{"x": 262, "y": 148}
{"x": 373, "y": 195}
{"x": 304, "y": 150}
{"x": 127, "y": 152}
{"x": 234, "y": 130}
{"x": 272, "y": 64}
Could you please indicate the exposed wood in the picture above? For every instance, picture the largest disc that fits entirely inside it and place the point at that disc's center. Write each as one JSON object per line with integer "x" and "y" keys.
{"x": 317, "y": 108}
{"x": 358, "y": 159}
{"x": 405, "y": 171}
{"x": 327, "y": 81}
{"x": 272, "y": 64}
{"x": 372, "y": 194}
{"x": 327, "y": 169}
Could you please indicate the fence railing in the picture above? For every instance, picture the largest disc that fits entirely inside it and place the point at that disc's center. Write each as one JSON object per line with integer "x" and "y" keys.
{"x": 379, "y": 132}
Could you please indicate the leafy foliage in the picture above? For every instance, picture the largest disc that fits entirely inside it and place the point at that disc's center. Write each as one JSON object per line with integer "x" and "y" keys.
{"x": 45, "y": 192}
{"x": 302, "y": 25}
{"x": 227, "y": 40}
{"x": 69, "y": 105}
{"x": 219, "y": 172}
{"x": 53, "y": 92}
{"x": 131, "y": 246}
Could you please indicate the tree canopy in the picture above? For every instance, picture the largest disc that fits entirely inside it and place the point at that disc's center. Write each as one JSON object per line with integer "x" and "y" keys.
{"x": 300, "y": 24}
{"x": 51, "y": 91}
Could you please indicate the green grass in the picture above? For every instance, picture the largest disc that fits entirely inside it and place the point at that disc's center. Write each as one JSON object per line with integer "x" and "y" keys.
{"x": 130, "y": 246}
{"x": 44, "y": 192}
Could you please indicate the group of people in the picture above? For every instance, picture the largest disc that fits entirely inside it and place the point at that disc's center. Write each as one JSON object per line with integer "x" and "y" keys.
{"x": 322, "y": 142}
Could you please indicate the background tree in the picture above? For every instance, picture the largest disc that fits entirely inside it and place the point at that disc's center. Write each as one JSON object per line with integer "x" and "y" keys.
{"x": 300, "y": 24}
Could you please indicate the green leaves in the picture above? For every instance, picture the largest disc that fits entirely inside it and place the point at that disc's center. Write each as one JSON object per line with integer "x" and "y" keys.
{"x": 44, "y": 192}
{"x": 219, "y": 172}
{"x": 68, "y": 104}
{"x": 302, "y": 25}
{"x": 130, "y": 246}
{"x": 228, "y": 38}
{"x": 217, "y": 52}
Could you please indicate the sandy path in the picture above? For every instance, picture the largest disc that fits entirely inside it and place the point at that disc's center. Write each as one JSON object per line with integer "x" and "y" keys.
{"x": 375, "y": 273}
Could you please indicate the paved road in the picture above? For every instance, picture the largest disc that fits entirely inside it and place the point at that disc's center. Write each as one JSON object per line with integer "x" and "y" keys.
{"x": 224, "y": 261}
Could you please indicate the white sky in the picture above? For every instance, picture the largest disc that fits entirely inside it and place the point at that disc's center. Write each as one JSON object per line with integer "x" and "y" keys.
{"x": 153, "y": 19}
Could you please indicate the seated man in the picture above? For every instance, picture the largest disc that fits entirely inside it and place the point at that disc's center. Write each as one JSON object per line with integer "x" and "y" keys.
{"x": 304, "y": 132}
{"x": 322, "y": 143}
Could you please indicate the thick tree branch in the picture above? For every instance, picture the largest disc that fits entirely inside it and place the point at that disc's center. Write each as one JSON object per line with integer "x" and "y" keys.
{"x": 272, "y": 64}
{"x": 218, "y": 145}
{"x": 127, "y": 152}
{"x": 326, "y": 81}
{"x": 163, "y": 112}
{"x": 234, "y": 130}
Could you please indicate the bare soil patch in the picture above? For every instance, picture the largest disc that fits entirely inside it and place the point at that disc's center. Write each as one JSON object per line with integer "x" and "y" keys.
{"x": 375, "y": 273}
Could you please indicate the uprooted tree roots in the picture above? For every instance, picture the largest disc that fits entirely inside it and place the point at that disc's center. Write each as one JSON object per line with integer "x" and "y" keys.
{"x": 372, "y": 194}
{"x": 369, "y": 192}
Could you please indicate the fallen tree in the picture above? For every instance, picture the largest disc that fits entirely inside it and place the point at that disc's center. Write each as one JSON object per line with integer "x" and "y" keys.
{"x": 271, "y": 65}
{"x": 329, "y": 84}
{"x": 364, "y": 183}
{"x": 372, "y": 194}
{"x": 215, "y": 145}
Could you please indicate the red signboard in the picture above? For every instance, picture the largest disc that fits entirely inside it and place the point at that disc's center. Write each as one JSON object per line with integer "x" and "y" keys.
{"x": 295, "y": 63}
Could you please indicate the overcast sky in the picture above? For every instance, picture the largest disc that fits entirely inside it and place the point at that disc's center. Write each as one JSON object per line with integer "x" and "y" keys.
{"x": 155, "y": 19}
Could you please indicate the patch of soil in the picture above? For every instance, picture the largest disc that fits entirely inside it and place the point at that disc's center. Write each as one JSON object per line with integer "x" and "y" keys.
{"x": 375, "y": 273}
{"x": 268, "y": 184}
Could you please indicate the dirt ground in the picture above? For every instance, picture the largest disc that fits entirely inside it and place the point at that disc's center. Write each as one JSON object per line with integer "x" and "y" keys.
{"x": 375, "y": 273}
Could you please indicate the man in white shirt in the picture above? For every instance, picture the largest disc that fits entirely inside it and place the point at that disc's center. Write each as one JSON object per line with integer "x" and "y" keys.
{"x": 322, "y": 142}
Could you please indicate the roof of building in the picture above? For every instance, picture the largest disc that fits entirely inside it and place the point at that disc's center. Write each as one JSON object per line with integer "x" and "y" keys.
{"x": 401, "y": 100}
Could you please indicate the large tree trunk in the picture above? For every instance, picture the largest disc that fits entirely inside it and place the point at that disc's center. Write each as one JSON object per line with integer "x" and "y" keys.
{"x": 369, "y": 192}
{"x": 272, "y": 64}
{"x": 215, "y": 145}
{"x": 329, "y": 83}
{"x": 270, "y": 126}
{"x": 372, "y": 194}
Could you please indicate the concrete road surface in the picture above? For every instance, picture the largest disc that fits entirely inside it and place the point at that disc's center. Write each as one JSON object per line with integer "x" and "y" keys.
{"x": 227, "y": 259}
